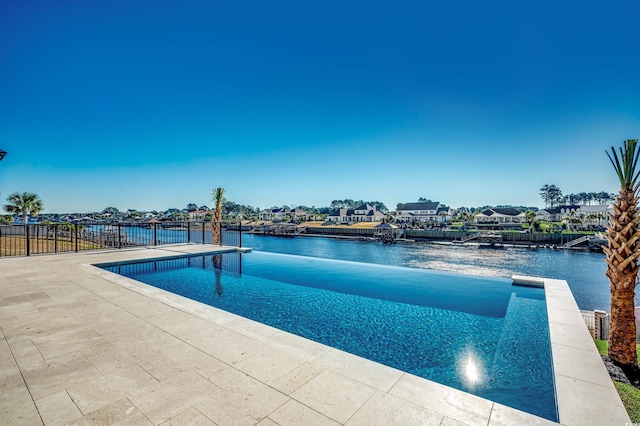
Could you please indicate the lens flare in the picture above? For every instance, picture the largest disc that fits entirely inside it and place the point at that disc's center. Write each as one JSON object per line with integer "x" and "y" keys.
{"x": 470, "y": 370}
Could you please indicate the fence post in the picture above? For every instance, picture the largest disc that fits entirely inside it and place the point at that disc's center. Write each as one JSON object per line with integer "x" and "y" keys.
{"x": 55, "y": 238}
{"x": 155, "y": 241}
{"x": 76, "y": 226}
{"x": 599, "y": 317}
{"x": 203, "y": 231}
{"x": 26, "y": 227}
{"x": 119, "y": 239}
{"x": 188, "y": 232}
{"x": 240, "y": 233}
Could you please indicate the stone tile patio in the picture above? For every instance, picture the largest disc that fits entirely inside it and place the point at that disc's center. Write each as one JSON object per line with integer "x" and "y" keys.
{"x": 84, "y": 346}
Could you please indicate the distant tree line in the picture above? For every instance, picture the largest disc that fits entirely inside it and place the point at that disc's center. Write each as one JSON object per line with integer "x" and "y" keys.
{"x": 552, "y": 196}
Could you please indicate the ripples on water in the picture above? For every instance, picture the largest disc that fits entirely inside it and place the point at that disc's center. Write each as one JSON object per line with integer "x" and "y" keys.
{"x": 582, "y": 270}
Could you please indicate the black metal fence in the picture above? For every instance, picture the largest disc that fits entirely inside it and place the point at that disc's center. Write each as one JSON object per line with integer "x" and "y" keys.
{"x": 21, "y": 240}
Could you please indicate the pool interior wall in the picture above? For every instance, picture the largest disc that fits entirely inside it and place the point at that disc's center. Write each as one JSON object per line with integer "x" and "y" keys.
{"x": 480, "y": 335}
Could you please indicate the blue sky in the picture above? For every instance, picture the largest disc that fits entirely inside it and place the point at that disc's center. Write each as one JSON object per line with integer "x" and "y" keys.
{"x": 151, "y": 104}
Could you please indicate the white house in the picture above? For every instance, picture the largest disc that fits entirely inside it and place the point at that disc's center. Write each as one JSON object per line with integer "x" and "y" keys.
{"x": 199, "y": 215}
{"x": 500, "y": 215}
{"x": 280, "y": 214}
{"x": 430, "y": 211}
{"x": 591, "y": 215}
{"x": 364, "y": 213}
{"x": 555, "y": 214}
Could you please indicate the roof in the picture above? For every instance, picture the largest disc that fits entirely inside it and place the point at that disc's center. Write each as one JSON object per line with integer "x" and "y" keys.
{"x": 365, "y": 207}
{"x": 340, "y": 212}
{"x": 560, "y": 209}
{"x": 386, "y": 226}
{"x": 505, "y": 211}
{"x": 431, "y": 205}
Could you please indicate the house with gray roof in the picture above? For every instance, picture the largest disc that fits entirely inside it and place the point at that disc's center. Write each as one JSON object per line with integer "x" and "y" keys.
{"x": 363, "y": 213}
{"x": 555, "y": 214}
{"x": 430, "y": 211}
{"x": 500, "y": 215}
{"x": 279, "y": 214}
{"x": 590, "y": 213}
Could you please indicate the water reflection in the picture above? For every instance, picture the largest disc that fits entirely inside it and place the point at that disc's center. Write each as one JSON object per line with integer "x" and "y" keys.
{"x": 217, "y": 270}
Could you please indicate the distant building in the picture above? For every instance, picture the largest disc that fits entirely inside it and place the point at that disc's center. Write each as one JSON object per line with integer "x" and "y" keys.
{"x": 280, "y": 214}
{"x": 199, "y": 215}
{"x": 364, "y": 213}
{"x": 590, "y": 214}
{"x": 430, "y": 211}
{"x": 500, "y": 215}
{"x": 555, "y": 214}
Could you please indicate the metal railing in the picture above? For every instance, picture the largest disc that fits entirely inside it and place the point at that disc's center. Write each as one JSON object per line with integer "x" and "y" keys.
{"x": 21, "y": 240}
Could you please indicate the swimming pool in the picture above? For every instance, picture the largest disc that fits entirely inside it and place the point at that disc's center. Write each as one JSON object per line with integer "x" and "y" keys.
{"x": 480, "y": 335}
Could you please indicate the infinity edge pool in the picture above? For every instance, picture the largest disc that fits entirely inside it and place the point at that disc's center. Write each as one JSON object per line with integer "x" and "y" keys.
{"x": 584, "y": 391}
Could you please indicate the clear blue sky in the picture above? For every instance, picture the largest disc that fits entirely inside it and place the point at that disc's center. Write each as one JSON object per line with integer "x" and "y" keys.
{"x": 151, "y": 104}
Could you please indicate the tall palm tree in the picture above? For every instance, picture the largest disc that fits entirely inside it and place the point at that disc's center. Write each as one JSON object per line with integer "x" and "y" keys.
{"x": 622, "y": 255}
{"x": 216, "y": 228}
{"x": 25, "y": 203}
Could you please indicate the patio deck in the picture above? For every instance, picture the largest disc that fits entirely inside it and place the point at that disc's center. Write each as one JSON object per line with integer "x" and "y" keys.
{"x": 81, "y": 345}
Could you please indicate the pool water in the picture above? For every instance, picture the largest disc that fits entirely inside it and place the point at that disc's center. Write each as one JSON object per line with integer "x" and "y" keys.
{"x": 481, "y": 335}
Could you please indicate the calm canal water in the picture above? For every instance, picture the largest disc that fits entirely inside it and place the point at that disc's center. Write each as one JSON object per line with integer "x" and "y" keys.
{"x": 582, "y": 270}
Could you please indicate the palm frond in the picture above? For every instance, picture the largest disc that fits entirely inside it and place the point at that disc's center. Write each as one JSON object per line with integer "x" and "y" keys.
{"x": 625, "y": 162}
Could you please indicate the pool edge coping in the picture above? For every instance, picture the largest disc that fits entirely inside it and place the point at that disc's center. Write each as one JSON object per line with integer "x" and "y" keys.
{"x": 585, "y": 393}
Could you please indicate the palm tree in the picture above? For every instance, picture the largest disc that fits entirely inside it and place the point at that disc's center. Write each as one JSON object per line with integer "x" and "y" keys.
{"x": 622, "y": 255}
{"x": 216, "y": 228}
{"x": 25, "y": 203}
{"x": 530, "y": 218}
{"x": 572, "y": 221}
{"x": 443, "y": 216}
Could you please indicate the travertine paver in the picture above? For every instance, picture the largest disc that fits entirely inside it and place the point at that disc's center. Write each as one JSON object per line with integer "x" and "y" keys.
{"x": 294, "y": 413}
{"x": 383, "y": 408}
{"x": 240, "y": 399}
{"x": 461, "y": 406}
{"x": 368, "y": 372}
{"x": 57, "y": 409}
{"x": 335, "y": 395}
{"x": 80, "y": 345}
{"x": 191, "y": 417}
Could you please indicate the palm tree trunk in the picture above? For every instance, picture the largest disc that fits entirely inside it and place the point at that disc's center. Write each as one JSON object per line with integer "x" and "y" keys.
{"x": 622, "y": 270}
{"x": 622, "y": 331}
{"x": 216, "y": 230}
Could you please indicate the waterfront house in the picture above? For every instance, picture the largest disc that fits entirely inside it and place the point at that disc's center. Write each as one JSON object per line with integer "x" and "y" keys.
{"x": 281, "y": 214}
{"x": 430, "y": 211}
{"x": 199, "y": 215}
{"x": 363, "y": 213}
{"x": 500, "y": 215}
{"x": 555, "y": 214}
{"x": 274, "y": 214}
{"x": 590, "y": 215}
